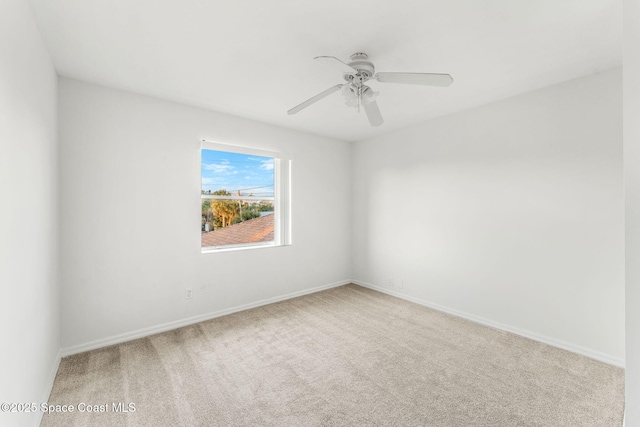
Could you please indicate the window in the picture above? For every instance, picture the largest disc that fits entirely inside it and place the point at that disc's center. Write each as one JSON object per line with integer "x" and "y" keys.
{"x": 244, "y": 196}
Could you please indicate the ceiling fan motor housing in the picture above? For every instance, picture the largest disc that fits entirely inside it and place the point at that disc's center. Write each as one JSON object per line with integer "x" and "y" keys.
{"x": 360, "y": 61}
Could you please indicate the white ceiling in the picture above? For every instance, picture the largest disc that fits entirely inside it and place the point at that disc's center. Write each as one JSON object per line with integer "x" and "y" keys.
{"x": 253, "y": 58}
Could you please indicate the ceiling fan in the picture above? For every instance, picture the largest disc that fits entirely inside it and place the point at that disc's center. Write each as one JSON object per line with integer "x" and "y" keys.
{"x": 357, "y": 94}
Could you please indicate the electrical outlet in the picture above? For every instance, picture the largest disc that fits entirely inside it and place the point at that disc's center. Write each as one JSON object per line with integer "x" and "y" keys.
{"x": 391, "y": 282}
{"x": 188, "y": 293}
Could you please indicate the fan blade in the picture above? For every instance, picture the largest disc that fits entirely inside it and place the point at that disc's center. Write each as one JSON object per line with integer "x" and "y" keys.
{"x": 346, "y": 68}
{"x": 373, "y": 113}
{"x": 315, "y": 99}
{"x": 429, "y": 79}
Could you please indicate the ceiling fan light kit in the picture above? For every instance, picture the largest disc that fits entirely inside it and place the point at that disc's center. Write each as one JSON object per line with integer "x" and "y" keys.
{"x": 360, "y": 70}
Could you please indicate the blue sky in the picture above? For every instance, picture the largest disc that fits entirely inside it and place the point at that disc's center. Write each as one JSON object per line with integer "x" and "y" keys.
{"x": 233, "y": 172}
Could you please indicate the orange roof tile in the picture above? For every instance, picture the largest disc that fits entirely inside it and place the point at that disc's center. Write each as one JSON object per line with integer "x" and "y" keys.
{"x": 251, "y": 231}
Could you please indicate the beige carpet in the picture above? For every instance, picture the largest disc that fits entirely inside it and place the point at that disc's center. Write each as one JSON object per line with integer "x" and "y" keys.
{"x": 347, "y": 356}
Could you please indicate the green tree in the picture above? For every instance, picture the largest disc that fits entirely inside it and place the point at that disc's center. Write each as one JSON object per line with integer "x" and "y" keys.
{"x": 207, "y": 214}
{"x": 265, "y": 206}
{"x": 223, "y": 213}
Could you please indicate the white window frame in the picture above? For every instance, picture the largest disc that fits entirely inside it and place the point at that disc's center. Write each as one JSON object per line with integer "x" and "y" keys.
{"x": 281, "y": 198}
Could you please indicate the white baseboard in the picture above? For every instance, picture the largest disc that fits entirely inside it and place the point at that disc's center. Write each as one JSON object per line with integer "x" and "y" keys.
{"x": 48, "y": 387}
{"x": 144, "y": 332}
{"x": 593, "y": 354}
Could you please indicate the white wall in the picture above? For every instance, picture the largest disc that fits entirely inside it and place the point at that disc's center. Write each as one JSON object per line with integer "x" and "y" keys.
{"x": 130, "y": 208}
{"x": 29, "y": 301}
{"x": 632, "y": 197}
{"x": 511, "y": 213}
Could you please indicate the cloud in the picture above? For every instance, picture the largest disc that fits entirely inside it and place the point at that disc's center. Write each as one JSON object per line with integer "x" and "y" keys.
{"x": 215, "y": 183}
{"x": 219, "y": 168}
{"x": 231, "y": 174}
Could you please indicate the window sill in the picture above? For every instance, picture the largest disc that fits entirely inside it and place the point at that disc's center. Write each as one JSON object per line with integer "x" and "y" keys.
{"x": 241, "y": 247}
